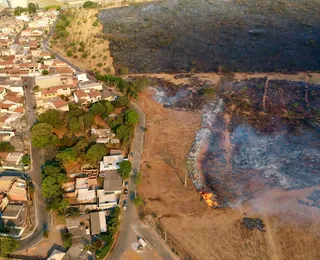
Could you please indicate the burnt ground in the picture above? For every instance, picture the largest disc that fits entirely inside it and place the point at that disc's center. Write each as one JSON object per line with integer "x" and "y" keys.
{"x": 203, "y": 35}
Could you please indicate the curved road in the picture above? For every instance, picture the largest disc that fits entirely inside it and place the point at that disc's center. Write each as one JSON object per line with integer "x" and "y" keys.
{"x": 129, "y": 218}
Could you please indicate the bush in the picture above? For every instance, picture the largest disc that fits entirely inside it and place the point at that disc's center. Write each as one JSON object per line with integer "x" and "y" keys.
{"x": 138, "y": 201}
{"x": 25, "y": 160}
{"x": 99, "y": 65}
{"x": 90, "y": 4}
{"x": 93, "y": 57}
{"x": 85, "y": 55}
{"x": 124, "y": 70}
{"x": 69, "y": 53}
{"x": 66, "y": 238}
{"x": 45, "y": 72}
{"x": 95, "y": 23}
{"x": 6, "y": 147}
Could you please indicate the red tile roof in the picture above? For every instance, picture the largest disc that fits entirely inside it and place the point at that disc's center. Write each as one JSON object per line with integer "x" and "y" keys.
{"x": 59, "y": 103}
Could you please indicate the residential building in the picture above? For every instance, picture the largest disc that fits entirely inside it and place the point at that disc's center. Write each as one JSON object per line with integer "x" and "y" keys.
{"x": 85, "y": 97}
{"x": 90, "y": 85}
{"x": 56, "y": 255}
{"x": 112, "y": 182}
{"x": 106, "y": 200}
{"x": 61, "y": 105}
{"x": 103, "y": 135}
{"x": 12, "y": 162}
{"x": 110, "y": 162}
{"x": 81, "y": 77}
{"x": 14, "y": 187}
{"x": 98, "y": 222}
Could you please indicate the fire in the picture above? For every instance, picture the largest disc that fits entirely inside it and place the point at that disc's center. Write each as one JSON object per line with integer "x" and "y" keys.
{"x": 209, "y": 198}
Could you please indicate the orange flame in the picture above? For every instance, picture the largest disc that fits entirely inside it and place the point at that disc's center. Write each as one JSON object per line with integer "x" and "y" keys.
{"x": 209, "y": 198}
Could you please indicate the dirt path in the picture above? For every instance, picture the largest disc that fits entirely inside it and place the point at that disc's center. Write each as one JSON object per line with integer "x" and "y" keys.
{"x": 271, "y": 237}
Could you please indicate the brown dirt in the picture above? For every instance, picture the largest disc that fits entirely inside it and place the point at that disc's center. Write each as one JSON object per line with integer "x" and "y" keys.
{"x": 97, "y": 49}
{"x": 199, "y": 232}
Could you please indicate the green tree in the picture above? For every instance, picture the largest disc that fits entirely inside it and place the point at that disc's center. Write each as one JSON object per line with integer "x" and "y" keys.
{"x": 8, "y": 245}
{"x": 45, "y": 72}
{"x": 67, "y": 155}
{"x": 66, "y": 238}
{"x": 82, "y": 145}
{"x": 32, "y": 8}
{"x": 25, "y": 160}
{"x": 56, "y": 170}
{"x": 69, "y": 53}
{"x": 109, "y": 108}
{"x": 122, "y": 101}
{"x": 51, "y": 117}
{"x": 89, "y": 4}
{"x": 124, "y": 133}
{"x": 131, "y": 117}
{"x": 74, "y": 125}
{"x": 125, "y": 167}
{"x": 6, "y": 147}
{"x": 36, "y": 88}
{"x": 42, "y": 136}
{"x": 51, "y": 186}
{"x": 88, "y": 120}
{"x": 97, "y": 109}
{"x": 18, "y": 11}
{"x": 96, "y": 152}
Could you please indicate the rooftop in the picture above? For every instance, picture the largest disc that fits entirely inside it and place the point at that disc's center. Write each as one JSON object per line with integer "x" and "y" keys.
{"x": 112, "y": 181}
{"x": 98, "y": 222}
{"x": 12, "y": 211}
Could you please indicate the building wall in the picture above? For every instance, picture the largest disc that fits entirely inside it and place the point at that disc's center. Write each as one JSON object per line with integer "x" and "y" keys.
{"x": 15, "y": 3}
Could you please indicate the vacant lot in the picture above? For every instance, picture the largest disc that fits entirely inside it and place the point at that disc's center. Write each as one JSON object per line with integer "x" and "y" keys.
{"x": 240, "y": 35}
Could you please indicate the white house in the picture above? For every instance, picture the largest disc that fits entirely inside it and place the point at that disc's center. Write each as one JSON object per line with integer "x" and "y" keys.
{"x": 81, "y": 77}
{"x": 3, "y": 93}
{"x": 90, "y": 85}
{"x": 110, "y": 162}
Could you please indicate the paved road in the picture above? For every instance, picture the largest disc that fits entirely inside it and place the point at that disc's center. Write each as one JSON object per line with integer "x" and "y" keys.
{"x": 41, "y": 214}
{"x": 129, "y": 218}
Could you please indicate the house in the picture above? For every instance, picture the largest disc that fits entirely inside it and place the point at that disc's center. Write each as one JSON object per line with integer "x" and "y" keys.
{"x": 49, "y": 80}
{"x": 86, "y": 196}
{"x": 56, "y": 255}
{"x": 12, "y": 162}
{"x": 78, "y": 251}
{"x": 104, "y": 135}
{"x": 78, "y": 226}
{"x": 106, "y": 200}
{"x": 61, "y": 105}
{"x": 45, "y": 55}
{"x": 81, "y": 77}
{"x": 112, "y": 182}
{"x": 84, "y": 97}
{"x": 15, "y": 86}
{"x": 14, "y": 216}
{"x": 98, "y": 222}
{"x": 110, "y": 162}
{"x": 14, "y": 187}
{"x": 90, "y": 85}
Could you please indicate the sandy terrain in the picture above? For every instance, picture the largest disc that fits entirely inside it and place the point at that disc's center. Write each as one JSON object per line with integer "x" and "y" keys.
{"x": 97, "y": 49}
{"x": 196, "y": 231}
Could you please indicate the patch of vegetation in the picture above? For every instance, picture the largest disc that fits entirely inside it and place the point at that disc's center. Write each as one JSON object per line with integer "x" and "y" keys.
{"x": 8, "y": 245}
{"x": 90, "y": 4}
{"x": 66, "y": 238}
{"x": 6, "y": 147}
{"x": 125, "y": 168}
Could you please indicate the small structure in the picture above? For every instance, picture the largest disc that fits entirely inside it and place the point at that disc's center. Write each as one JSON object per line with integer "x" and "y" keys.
{"x": 110, "y": 162}
{"x": 77, "y": 251}
{"x": 81, "y": 77}
{"x": 90, "y": 85}
{"x": 104, "y": 135}
{"x": 98, "y": 222}
{"x": 14, "y": 187}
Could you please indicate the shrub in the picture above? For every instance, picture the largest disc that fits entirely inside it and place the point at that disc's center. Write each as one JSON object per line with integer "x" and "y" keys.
{"x": 93, "y": 56}
{"x": 90, "y": 4}
{"x": 138, "y": 201}
{"x": 99, "y": 65}
{"x": 84, "y": 55}
{"x": 69, "y": 53}
{"x": 45, "y": 72}
{"x": 124, "y": 70}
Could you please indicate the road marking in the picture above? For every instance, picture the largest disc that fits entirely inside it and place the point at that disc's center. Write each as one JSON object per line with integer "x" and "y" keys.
{"x": 136, "y": 231}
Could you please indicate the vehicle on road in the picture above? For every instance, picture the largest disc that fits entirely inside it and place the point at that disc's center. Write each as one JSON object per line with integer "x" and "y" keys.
{"x": 125, "y": 191}
{"x": 142, "y": 242}
{"x": 126, "y": 184}
{"x": 124, "y": 205}
{"x": 132, "y": 153}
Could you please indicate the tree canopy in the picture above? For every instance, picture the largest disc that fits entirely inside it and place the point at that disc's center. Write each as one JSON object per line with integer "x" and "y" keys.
{"x": 8, "y": 245}
{"x": 88, "y": 120}
{"x": 82, "y": 145}
{"x": 131, "y": 117}
{"x": 6, "y": 147}
{"x": 67, "y": 155}
{"x": 32, "y": 8}
{"x": 96, "y": 152}
{"x": 18, "y": 10}
{"x": 97, "y": 109}
{"x": 124, "y": 133}
{"x": 122, "y": 101}
{"x": 109, "y": 108}
{"x": 125, "y": 168}
{"x": 74, "y": 125}
{"x": 89, "y": 4}
{"x": 42, "y": 136}
{"x": 51, "y": 117}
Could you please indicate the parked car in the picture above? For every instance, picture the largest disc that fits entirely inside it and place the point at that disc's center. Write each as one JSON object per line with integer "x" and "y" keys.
{"x": 126, "y": 184}
{"x": 124, "y": 205}
{"x": 125, "y": 191}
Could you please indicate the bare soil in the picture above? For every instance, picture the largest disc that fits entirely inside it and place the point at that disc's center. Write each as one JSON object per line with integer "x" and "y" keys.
{"x": 196, "y": 231}
{"x": 96, "y": 51}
